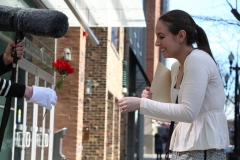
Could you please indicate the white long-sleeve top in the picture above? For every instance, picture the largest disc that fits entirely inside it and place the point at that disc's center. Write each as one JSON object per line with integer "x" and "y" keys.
{"x": 200, "y": 109}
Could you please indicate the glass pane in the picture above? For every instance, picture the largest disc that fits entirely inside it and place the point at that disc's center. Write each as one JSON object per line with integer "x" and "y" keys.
{"x": 19, "y": 119}
{"x": 3, "y": 45}
{"x": 29, "y": 118}
{"x": 40, "y": 133}
{"x": 6, "y": 152}
{"x": 40, "y": 51}
{"x": 47, "y": 126}
{"x": 14, "y": 3}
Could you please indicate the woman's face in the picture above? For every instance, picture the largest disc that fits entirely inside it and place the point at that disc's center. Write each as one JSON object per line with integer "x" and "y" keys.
{"x": 166, "y": 41}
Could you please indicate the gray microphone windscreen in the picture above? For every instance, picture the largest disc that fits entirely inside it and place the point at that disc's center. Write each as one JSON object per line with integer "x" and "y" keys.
{"x": 42, "y": 22}
{"x": 7, "y": 18}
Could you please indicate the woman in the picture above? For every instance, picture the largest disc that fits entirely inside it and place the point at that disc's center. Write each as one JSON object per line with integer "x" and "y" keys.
{"x": 43, "y": 96}
{"x": 196, "y": 86}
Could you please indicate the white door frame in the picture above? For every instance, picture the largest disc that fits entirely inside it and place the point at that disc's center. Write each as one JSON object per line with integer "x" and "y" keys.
{"x": 39, "y": 74}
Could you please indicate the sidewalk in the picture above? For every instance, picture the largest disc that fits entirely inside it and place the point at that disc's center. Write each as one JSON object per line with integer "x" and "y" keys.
{"x": 152, "y": 157}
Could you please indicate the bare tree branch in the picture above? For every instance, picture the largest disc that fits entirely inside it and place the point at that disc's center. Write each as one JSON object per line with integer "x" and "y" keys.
{"x": 229, "y": 4}
{"x": 220, "y": 20}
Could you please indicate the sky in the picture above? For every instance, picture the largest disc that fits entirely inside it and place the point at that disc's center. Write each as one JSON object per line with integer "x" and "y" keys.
{"x": 223, "y": 36}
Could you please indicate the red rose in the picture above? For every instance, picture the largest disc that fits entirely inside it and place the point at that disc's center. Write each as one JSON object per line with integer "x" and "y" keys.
{"x": 63, "y": 67}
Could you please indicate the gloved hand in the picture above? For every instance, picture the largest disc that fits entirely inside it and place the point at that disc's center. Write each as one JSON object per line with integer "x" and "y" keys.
{"x": 43, "y": 96}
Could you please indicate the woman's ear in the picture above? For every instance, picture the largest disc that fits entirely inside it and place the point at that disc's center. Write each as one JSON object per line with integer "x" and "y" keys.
{"x": 182, "y": 36}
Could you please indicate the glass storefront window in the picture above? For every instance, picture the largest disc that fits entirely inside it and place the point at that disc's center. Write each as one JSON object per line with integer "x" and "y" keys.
{"x": 40, "y": 51}
{"x": 14, "y": 3}
{"x": 3, "y": 44}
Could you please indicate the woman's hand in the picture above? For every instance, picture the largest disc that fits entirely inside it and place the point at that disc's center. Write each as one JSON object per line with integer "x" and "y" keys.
{"x": 7, "y": 57}
{"x": 146, "y": 93}
{"x": 129, "y": 104}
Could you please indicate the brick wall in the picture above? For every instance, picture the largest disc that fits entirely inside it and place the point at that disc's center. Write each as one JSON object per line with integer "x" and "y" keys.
{"x": 95, "y": 105}
{"x": 101, "y": 114}
{"x": 123, "y": 131}
{"x": 110, "y": 128}
{"x": 69, "y": 108}
{"x": 152, "y": 59}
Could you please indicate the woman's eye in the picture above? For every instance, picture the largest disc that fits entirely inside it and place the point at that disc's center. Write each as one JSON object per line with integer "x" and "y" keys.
{"x": 161, "y": 37}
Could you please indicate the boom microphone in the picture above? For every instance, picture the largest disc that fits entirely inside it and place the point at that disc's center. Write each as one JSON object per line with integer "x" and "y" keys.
{"x": 7, "y": 15}
{"x": 40, "y": 22}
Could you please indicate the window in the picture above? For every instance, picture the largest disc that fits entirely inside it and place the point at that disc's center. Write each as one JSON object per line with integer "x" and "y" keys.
{"x": 115, "y": 37}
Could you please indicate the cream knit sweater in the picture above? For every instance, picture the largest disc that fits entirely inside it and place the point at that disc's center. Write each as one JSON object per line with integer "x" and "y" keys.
{"x": 200, "y": 109}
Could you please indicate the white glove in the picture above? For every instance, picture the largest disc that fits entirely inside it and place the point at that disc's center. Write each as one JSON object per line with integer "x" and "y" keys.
{"x": 43, "y": 96}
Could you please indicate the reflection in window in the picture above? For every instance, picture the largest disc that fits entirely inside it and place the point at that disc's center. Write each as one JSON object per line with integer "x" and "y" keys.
{"x": 115, "y": 37}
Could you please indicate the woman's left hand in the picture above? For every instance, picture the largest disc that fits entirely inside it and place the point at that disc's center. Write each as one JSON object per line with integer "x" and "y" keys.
{"x": 129, "y": 104}
{"x": 146, "y": 93}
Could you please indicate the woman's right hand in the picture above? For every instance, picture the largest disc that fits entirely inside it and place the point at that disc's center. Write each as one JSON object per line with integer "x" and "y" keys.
{"x": 146, "y": 93}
